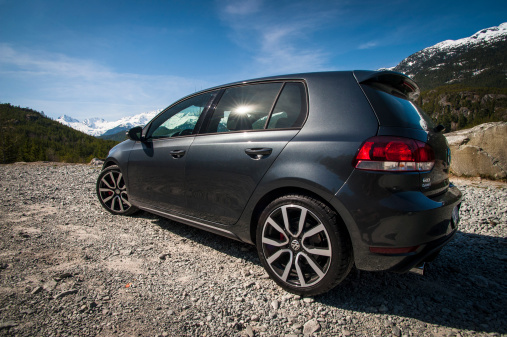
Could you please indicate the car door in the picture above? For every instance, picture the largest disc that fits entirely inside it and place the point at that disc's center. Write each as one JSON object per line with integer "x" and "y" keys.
{"x": 245, "y": 133}
{"x": 157, "y": 164}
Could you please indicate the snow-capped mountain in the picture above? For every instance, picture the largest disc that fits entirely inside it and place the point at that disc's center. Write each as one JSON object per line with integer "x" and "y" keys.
{"x": 100, "y": 127}
{"x": 478, "y": 60}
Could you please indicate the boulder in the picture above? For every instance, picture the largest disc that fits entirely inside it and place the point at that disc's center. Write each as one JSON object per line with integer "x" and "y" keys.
{"x": 96, "y": 162}
{"x": 480, "y": 151}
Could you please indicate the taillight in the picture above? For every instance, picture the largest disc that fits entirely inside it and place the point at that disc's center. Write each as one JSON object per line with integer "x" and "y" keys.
{"x": 386, "y": 153}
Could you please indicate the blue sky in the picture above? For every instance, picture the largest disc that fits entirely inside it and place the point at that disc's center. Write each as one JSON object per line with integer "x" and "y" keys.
{"x": 112, "y": 59}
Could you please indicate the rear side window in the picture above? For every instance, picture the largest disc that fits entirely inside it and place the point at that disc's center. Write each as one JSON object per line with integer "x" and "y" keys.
{"x": 244, "y": 108}
{"x": 290, "y": 109}
{"x": 260, "y": 106}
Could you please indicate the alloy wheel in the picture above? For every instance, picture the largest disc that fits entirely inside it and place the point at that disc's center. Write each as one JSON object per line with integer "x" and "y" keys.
{"x": 296, "y": 246}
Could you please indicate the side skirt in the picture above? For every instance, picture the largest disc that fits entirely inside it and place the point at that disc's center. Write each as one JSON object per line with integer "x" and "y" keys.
{"x": 193, "y": 223}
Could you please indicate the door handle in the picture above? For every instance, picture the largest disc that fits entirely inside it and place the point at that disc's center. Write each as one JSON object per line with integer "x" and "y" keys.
{"x": 258, "y": 153}
{"x": 177, "y": 153}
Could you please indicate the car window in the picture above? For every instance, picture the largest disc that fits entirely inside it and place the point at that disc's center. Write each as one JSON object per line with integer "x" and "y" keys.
{"x": 180, "y": 119}
{"x": 290, "y": 109}
{"x": 244, "y": 108}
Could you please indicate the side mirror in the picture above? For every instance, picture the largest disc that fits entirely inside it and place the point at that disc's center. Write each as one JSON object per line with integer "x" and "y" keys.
{"x": 135, "y": 134}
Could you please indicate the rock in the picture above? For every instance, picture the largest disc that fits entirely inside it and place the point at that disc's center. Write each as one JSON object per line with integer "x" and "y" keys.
{"x": 163, "y": 256}
{"x": 308, "y": 300}
{"x": 7, "y": 324}
{"x": 249, "y": 331}
{"x": 49, "y": 285}
{"x": 65, "y": 293}
{"x": 275, "y": 304}
{"x": 36, "y": 290}
{"x": 96, "y": 162}
{"x": 396, "y": 331}
{"x": 311, "y": 326}
{"x": 479, "y": 151}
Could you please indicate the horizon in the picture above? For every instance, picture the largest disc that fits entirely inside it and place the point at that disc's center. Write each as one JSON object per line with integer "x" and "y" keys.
{"x": 87, "y": 61}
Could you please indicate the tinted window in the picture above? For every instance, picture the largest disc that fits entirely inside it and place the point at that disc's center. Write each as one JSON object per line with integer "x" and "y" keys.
{"x": 244, "y": 108}
{"x": 180, "y": 119}
{"x": 290, "y": 109}
{"x": 396, "y": 111}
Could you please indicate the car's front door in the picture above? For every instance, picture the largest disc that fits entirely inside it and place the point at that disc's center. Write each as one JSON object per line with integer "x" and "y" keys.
{"x": 156, "y": 167}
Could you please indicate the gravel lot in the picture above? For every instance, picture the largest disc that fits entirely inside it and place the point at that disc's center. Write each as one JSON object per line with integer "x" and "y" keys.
{"x": 69, "y": 268}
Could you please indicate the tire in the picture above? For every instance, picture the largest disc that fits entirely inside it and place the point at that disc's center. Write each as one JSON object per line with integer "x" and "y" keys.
{"x": 302, "y": 246}
{"x": 112, "y": 192}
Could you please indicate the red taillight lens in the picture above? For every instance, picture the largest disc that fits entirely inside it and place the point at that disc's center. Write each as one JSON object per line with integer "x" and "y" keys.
{"x": 386, "y": 153}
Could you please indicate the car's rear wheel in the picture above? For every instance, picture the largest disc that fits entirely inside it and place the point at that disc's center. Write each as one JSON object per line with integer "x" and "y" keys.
{"x": 112, "y": 192}
{"x": 302, "y": 246}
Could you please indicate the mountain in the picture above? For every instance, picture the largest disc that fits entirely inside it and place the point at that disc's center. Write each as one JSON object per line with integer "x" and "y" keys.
{"x": 100, "y": 127}
{"x": 478, "y": 61}
{"x": 28, "y": 135}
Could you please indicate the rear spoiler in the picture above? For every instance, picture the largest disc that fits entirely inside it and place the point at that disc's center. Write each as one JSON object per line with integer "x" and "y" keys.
{"x": 392, "y": 82}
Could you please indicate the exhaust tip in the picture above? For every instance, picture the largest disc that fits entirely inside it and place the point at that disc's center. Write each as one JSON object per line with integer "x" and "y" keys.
{"x": 419, "y": 269}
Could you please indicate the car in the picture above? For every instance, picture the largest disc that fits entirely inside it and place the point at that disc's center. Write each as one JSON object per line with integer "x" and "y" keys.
{"x": 320, "y": 171}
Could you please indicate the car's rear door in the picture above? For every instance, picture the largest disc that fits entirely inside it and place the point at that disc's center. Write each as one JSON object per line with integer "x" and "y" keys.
{"x": 243, "y": 136}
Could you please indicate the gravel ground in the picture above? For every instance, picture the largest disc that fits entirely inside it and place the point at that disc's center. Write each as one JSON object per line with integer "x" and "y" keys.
{"x": 69, "y": 268}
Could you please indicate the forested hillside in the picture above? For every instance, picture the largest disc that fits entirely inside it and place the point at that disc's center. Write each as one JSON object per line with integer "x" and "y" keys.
{"x": 457, "y": 107}
{"x": 28, "y": 135}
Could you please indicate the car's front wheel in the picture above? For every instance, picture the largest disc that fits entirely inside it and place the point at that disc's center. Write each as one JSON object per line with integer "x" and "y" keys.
{"x": 112, "y": 192}
{"x": 302, "y": 246}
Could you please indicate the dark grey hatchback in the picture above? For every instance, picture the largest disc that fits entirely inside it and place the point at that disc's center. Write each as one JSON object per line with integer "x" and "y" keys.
{"x": 320, "y": 171}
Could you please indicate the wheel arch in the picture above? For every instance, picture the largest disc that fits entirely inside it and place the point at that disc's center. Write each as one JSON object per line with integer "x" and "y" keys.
{"x": 109, "y": 162}
{"x": 279, "y": 192}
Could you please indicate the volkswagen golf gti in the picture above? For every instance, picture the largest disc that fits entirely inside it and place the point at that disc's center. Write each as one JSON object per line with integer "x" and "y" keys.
{"x": 321, "y": 171}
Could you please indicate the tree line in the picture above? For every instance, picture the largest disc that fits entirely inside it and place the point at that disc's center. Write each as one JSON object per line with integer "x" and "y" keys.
{"x": 458, "y": 107}
{"x": 28, "y": 135}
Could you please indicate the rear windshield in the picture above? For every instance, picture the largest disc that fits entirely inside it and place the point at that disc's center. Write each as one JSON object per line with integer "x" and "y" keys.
{"x": 396, "y": 111}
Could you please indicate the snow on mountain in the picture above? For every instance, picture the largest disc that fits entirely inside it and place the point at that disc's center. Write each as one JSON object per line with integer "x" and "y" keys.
{"x": 98, "y": 126}
{"x": 475, "y": 60}
{"x": 484, "y": 36}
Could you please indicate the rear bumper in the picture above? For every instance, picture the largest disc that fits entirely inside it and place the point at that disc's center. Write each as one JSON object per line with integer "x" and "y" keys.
{"x": 395, "y": 229}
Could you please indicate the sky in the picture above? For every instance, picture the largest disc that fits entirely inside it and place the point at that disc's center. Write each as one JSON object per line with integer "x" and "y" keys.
{"x": 113, "y": 59}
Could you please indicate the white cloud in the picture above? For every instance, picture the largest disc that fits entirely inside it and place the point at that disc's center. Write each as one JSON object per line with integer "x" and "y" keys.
{"x": 59, "y": 85}
{"x": 279, "y": 36}
{"x": 368, "y": 45}
{"x": 242, "y": 7}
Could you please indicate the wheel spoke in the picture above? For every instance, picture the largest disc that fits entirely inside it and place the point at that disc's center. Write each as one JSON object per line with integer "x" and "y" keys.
{"x": 111, "y": 175}
{"x": 286, "y": 220}
{"x": 273, "y": 242}
{"x": 106, "y": 190}
{"x": 108, "y": 198}
{"x": 319, "y": 251}
{"x": 105, "y": 182}
{"x": 314, "y": 265}
{"x": 288, "y": 266}
{"x": 275, "y": 226}
{"x": 276, "y": 255}
{"x": 120, "y": 176}
{"x": 121, "y": 204}
{"x": 113, "y": 202}
{"x": 302, "y": 221}
{"x": 124, "y": 198}
{"x": 317, "y": 229}
{"x": 287, "y": 269}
